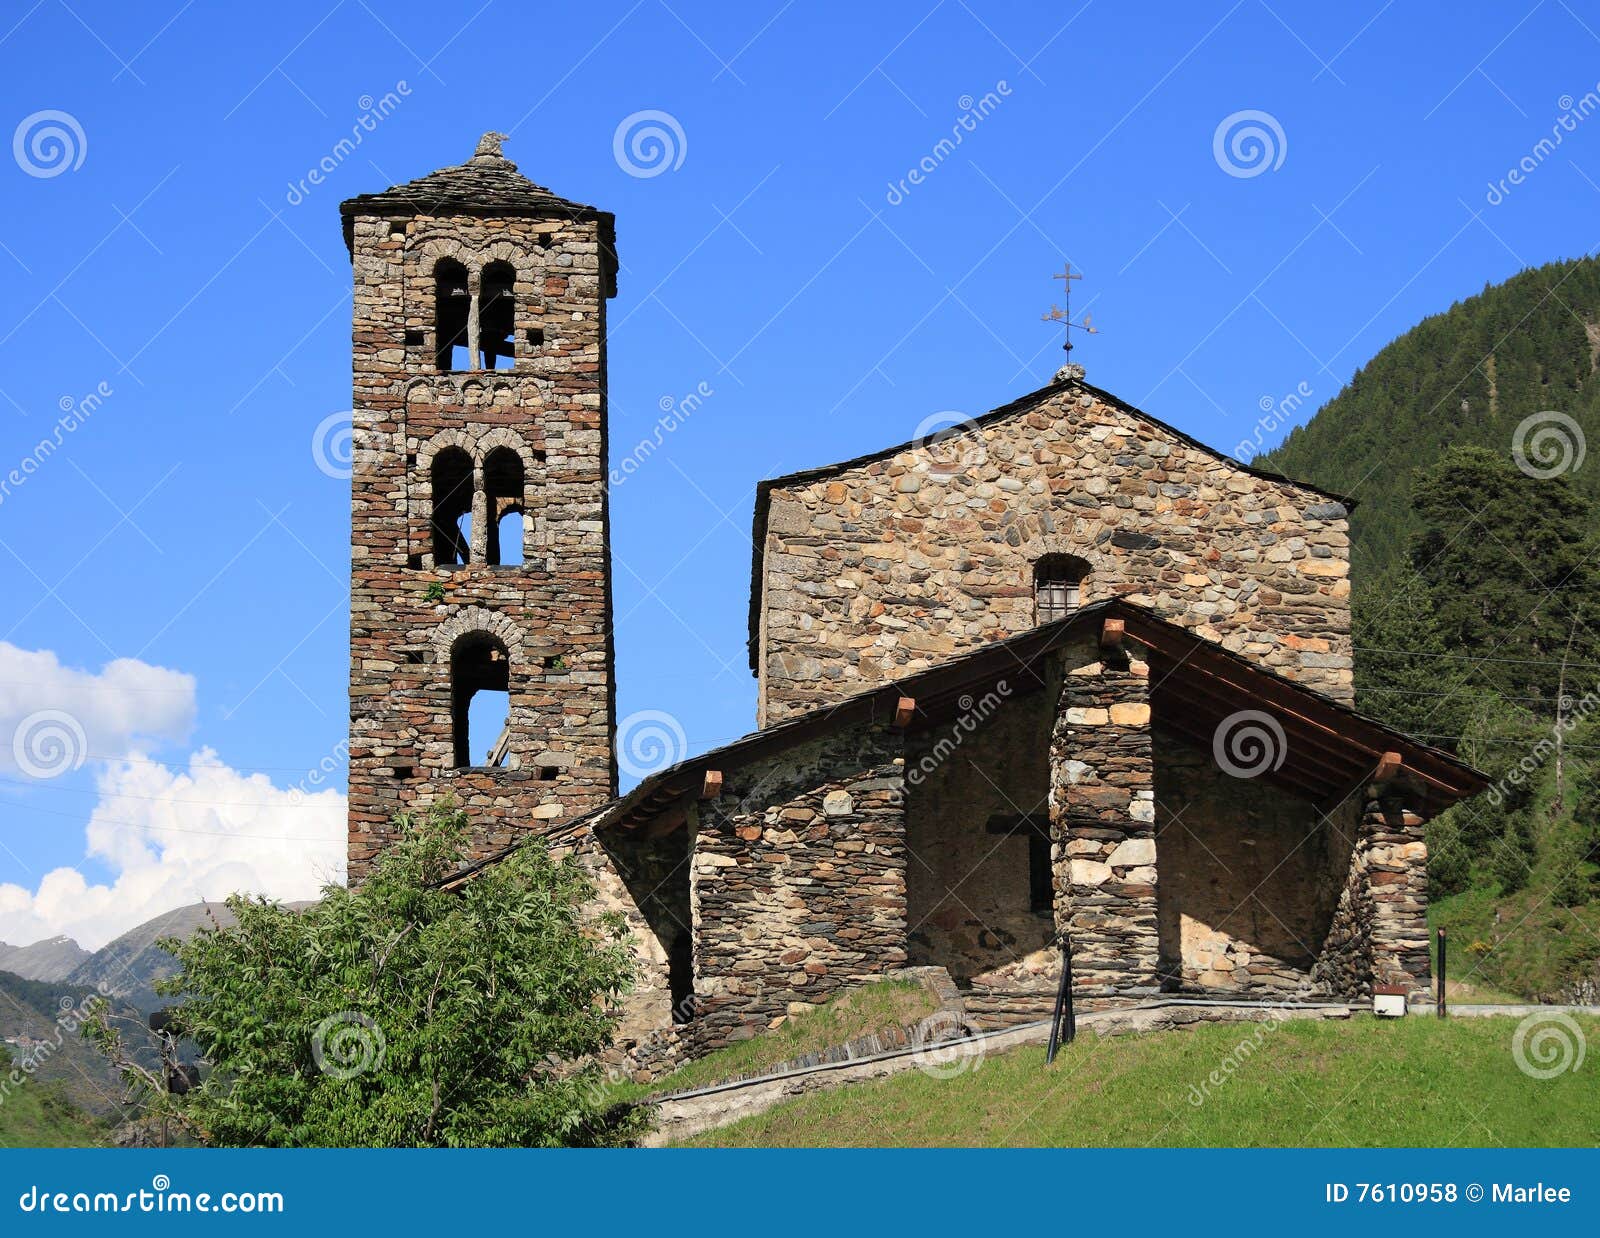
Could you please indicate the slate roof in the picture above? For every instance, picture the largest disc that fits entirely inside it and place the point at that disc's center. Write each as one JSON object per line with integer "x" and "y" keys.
{"x": 488, "y": 184}
{"x": 1022, "y": 404}
{"x": 1329, "y": 749}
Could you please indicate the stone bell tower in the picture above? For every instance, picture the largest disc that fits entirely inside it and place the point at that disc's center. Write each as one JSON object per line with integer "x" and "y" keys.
{"x": 480, "y": 594}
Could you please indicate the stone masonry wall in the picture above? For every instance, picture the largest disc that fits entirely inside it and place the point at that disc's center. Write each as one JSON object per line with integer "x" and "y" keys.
{"x": 1102, "y": 809}
{"x": 1249, "y": 877}
{"x": 889, "y": 567}
{"x": 552, "y": 611}
{"x": 645, "y": 880}
{"x": 1379, "y": 935}
{"x": 798, "y": 882}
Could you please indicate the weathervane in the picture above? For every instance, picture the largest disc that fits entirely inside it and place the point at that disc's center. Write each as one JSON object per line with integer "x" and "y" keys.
{"x": 1064, "y": 315}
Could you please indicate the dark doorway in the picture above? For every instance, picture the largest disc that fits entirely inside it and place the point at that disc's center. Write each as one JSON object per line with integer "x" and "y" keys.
{"x": 680, "y": 977}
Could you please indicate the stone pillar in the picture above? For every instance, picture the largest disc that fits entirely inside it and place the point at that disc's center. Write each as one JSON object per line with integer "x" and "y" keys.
{"x": 1379, "y": 931}
{"x": 1396, "y": 873}
{"x": 479, "y": 550}
{"x": 1102, "y": 818}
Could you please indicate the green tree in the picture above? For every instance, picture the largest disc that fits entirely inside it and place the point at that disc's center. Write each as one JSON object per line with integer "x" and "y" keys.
{"x": 400, "y": 1014}
{"x": 1510, "y": 573}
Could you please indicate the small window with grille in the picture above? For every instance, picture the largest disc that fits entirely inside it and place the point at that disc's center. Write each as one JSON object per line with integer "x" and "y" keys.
{"x": 1058, "y": 582}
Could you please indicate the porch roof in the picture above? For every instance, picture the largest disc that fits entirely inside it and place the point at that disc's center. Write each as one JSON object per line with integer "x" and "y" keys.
{"x": 1211, "y": 697}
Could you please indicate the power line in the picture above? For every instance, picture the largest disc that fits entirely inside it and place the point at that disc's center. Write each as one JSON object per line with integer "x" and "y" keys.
{"x": 154, "y": 799}
{"x": 178, "y": 829}
{"x": 1465, "y": 657}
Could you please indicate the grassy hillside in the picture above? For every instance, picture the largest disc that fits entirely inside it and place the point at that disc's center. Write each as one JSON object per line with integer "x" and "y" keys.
{"x": 46, "y": 1015}
{"x": 1414, "y": 1082}
{"x": 1467, "y": 376}
{"x": 38, "y": 1114}
{"x": 1477, "y": 605}
{"x": 857, "y": 1013}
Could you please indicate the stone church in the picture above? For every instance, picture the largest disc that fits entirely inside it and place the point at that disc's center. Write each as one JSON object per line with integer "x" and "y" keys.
{"x": 1066, "y": 671}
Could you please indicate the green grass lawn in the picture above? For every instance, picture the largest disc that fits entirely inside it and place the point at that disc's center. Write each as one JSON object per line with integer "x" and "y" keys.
{"x": 859, "y": 1012}
{"x": 1414, "y": 1082}
{"x": 34, "y": 1114}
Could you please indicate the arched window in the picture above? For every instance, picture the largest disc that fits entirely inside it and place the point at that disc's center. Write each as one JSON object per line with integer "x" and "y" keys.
{"x": 497, "y": 316}
{"x": 452, "y": 507}
{"x": 1058, "y": 584}
{"x": 503, "y": 489}
{"x": 480, "y": 699}
{"x": 452, "y": 310}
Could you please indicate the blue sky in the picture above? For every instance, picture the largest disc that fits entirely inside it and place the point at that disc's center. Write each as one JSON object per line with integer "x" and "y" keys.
{"x": 176, "y": 568}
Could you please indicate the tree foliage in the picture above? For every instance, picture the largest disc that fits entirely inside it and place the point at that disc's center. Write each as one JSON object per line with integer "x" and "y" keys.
{"x": 400, "y": 1014}
{"x": 1467, "y": 377}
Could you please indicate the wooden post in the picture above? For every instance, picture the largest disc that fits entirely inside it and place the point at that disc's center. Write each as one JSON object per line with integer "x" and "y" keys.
{"x": 712, "y": 786}
{"x": 1439, "y": 979}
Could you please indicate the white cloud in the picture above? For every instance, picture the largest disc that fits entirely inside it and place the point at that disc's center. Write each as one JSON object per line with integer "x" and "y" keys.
{"x": 53, "y": 717}
{"x": 170, "y": 835}
{"x": 176, "y": 836}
